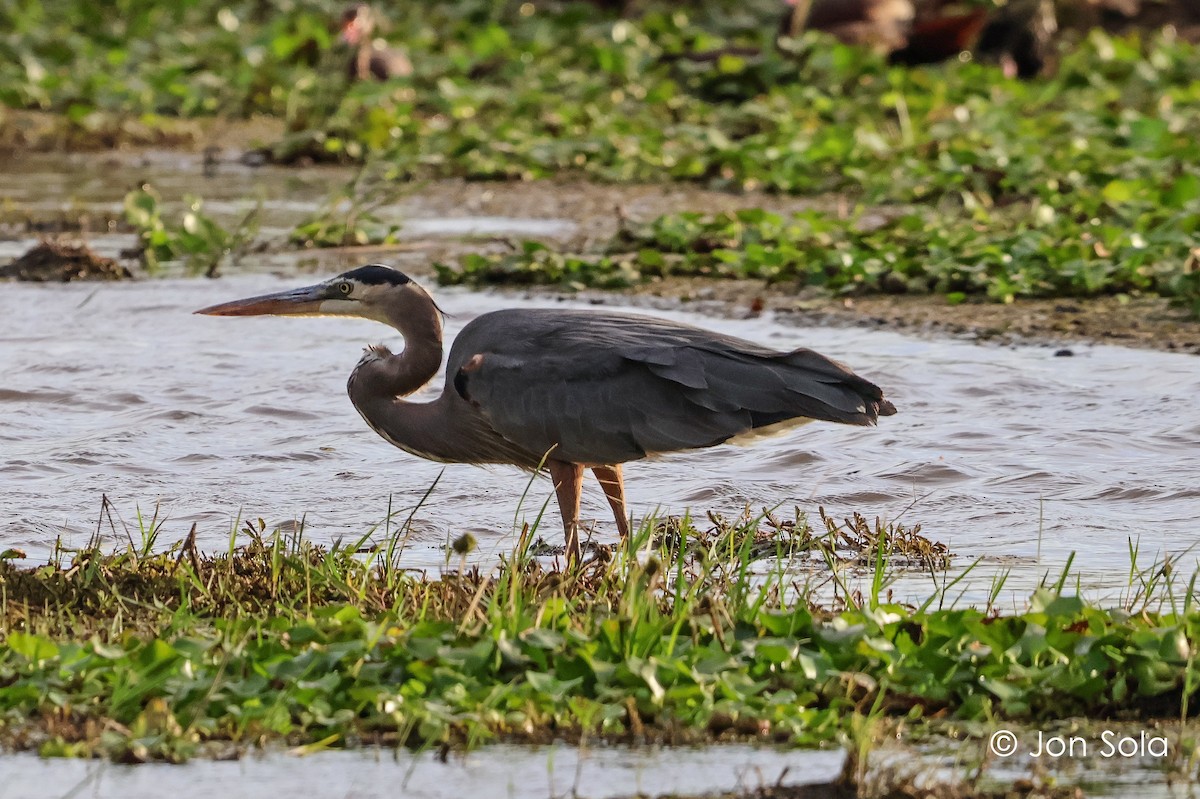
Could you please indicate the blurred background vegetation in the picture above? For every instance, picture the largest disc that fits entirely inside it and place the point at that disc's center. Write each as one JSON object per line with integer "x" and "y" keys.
{"x": 1089, "y": 169}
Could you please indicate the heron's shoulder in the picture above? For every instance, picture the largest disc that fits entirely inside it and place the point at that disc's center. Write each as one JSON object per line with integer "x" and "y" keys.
{"x": 579, "y": 322}
{"x": 597, "y": 335}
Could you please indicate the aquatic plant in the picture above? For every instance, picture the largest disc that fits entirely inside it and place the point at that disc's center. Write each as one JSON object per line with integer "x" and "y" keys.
{"x": 138, "y": 654}
{"x": 1121, "y": 246}
{"x": 351, "y": 214}
{"x": 198, "y": 240}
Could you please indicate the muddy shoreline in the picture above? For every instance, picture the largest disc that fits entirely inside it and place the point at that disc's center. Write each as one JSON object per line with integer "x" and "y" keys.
{"x": 1142, "y": 322}
{"x": 597, "y": 209}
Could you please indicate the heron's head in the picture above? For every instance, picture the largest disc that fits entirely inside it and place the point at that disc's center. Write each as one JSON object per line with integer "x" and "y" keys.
{"x": 374, "y": 291}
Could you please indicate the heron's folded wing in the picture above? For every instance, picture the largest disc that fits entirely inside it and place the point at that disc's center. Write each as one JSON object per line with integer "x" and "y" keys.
{"x": 621, "y": 396}
{"x": 595, "y": 413}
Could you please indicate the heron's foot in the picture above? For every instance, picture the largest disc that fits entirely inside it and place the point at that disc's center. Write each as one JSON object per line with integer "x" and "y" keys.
{"x": 590, "y": 551}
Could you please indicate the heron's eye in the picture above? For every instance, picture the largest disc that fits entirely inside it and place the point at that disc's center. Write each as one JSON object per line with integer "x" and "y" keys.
{"x": 345, "y": 288}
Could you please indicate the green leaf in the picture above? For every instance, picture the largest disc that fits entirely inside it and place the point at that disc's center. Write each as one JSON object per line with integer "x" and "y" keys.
{"x": 1118, "y": 192}
{"x": 1184, "y": 190}
{"x": 32, "y": 647}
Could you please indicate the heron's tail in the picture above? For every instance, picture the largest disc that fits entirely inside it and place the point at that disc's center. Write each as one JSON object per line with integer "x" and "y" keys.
{"x": 827, "y": 390}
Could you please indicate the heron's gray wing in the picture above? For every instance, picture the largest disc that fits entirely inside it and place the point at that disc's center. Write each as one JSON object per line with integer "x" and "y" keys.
{"x": 602, "y": 388}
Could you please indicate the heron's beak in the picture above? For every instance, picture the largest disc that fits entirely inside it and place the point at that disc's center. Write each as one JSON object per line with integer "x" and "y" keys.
{"x": 294, "y": 302}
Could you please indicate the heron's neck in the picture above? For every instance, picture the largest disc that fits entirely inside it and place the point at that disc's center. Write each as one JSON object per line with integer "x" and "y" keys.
{"x": 381, "y": 379}
{"x": 383, "y": 375}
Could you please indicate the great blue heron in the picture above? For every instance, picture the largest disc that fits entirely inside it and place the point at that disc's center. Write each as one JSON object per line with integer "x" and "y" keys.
{"x": 566, "y": 390}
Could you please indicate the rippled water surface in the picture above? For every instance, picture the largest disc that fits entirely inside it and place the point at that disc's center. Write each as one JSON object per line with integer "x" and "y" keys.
{"x": 493, "y": 773}
{"x": 499, "y": 771}
{"x": 1013, "y": 455}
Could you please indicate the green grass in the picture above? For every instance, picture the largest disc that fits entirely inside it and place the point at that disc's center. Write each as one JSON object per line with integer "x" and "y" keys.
{"x": 136, "y": 655}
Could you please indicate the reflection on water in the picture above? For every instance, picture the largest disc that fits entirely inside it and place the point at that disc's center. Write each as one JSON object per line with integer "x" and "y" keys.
{"x": 1009, "y": 454}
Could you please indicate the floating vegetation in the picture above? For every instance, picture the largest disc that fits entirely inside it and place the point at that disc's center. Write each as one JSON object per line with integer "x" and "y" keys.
{"x": 56, "y": 262}
{"x": 1151, "y": 245}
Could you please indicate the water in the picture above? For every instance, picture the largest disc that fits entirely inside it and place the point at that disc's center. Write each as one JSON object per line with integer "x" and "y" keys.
{"x": 493, "y": 772}
{"x": 1012, "y": 455}
{"x": 558, "y": 770}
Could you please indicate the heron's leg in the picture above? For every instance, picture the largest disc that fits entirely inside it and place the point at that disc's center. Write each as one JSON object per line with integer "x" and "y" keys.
{"x": 614, "y": 488}
{"x": 568, "y": 485}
